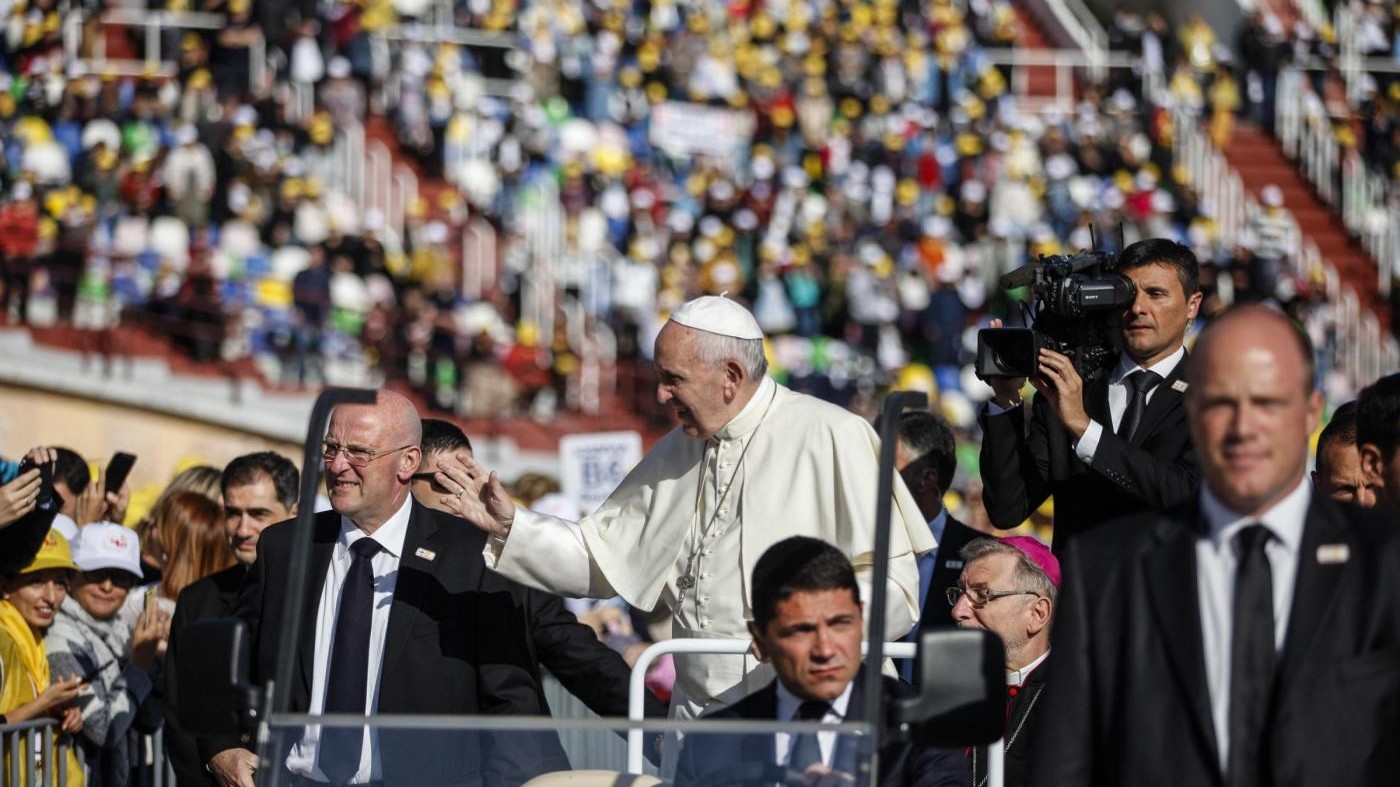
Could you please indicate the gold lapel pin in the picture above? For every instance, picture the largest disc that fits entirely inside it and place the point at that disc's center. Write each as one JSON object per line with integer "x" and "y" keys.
{"x": 1333, "y": 553}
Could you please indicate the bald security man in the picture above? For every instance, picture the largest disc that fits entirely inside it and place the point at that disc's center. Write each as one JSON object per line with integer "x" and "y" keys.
{"x": 1248, "y": 638}
{"x": 395, "y": 621}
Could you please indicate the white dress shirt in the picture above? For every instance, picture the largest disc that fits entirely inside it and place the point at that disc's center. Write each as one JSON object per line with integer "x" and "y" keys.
{"x": 1215, "y": 584}
{"x": 788, "y": 703}
{"x": 302, "y": 758}
{"x": 1018, "y": 678}
{"x": 1118, "y": 395}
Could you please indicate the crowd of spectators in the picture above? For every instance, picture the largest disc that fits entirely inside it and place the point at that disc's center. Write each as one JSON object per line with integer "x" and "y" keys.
{"x": 870, "y": 177}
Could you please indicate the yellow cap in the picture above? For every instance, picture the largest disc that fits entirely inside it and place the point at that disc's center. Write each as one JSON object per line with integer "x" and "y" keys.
{"x": 55, "y": 553}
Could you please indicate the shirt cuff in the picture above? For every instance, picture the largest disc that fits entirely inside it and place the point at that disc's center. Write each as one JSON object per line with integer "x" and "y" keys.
{"x": 1089, "y": 442}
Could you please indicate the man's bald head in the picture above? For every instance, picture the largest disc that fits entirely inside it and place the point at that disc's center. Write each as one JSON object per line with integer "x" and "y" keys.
{"x": 1225, "y": 332}
{"x": 1252, "y": 405}
{"x": 373, "y": 452}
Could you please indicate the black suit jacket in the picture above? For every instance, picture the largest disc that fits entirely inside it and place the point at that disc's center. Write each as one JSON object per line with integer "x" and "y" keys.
{"x": 1127, "y": 699}
{"x": 214, "y": 596}
{"x": 461, "y": 640}
{"x": 1154, "y": 472}
{"x": 901, "y": 764}
{"x": 947, "y": 570}
{"x": 1025, "y": 715}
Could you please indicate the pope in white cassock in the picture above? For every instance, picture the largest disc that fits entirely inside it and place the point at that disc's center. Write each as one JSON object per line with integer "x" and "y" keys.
{"x": 751, "y": 464}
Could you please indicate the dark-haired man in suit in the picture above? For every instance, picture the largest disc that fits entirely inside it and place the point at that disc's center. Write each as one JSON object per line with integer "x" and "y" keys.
{"x": 926, "y": 457}
{"x": 808, "y": 625}
{"x": 1128, "y": 446}
{"x": 259, "y": 489}
{"x": 1249, "y": 637}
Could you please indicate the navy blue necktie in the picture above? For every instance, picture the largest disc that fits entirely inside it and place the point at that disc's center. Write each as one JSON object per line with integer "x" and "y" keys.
{"x": 806, "y": 750}
{"x": 348, "y": 677}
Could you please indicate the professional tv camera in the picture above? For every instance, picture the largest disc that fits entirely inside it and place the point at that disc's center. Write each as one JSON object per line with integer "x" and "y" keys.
{"x": 1079, "y": 301}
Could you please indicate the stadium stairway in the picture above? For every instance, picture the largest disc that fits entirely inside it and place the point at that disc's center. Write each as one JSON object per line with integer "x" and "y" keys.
{"x": 1040, "y": 80}
{"x": 1260, "y": 161}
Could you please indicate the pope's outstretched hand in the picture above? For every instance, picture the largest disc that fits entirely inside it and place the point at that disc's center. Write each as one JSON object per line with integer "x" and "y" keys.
{"x": 477, "y": 496}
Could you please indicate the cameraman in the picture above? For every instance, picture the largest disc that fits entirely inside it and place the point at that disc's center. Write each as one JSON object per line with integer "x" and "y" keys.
{"x": 1126, "y": 425}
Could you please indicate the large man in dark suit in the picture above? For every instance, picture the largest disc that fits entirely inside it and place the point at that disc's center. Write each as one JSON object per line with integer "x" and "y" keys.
{"x": 1252, "y": 637}
{"x": 808, "y": 624}
{"x": 408, "y": 624}
{"x": 1127, "y": 446}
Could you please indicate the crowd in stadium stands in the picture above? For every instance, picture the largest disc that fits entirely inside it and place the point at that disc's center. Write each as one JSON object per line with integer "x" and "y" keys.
{"x": 888, "y": 178}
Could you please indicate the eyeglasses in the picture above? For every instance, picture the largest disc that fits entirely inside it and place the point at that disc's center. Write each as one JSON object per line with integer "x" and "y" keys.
{"x": 354, "y": 455}
{"x": 981, "y": 597}
{"x": 121, "y": 579}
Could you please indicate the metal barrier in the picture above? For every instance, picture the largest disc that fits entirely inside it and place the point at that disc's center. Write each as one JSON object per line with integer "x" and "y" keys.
{"x": 1364, "y": 352}
{"x": 1064, "y": 61}
{"x": 636, "y": 692}
{"x": 1369, "y": 208}
{"x": 36, "y": 753}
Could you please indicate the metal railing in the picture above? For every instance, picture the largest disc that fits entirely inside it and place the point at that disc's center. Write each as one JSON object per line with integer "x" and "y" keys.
{"x": 1363, "y": 351}
{"x": 1065, "y": 62}
{"x": 636, "y": 692}
{"x": 155, "y": 24}
{"x": 1369, "y": 207}
{"x": 36, "y": 753}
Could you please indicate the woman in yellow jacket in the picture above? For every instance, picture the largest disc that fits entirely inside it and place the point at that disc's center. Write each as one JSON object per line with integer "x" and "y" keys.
{"x": 29, "y": 600}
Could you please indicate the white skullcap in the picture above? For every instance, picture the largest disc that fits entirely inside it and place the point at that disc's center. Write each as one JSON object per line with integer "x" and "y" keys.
{"x": 719, "y": 315}
{"x": 1272, "y": 196}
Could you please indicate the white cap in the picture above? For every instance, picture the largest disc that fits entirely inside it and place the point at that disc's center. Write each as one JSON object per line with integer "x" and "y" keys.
{"x": 719, "y": 315}
{"x": 1272, "y": 196}
{"x": 106, "y": 545}
{"x": 22, "y": 191}
{"x": 339, "y": 68}
{"x": 186, "y": 135}
{"x": 64, "y": 524}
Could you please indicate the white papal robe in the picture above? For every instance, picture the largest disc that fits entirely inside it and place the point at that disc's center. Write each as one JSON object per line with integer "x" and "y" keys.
{"x": 687, "y": 525}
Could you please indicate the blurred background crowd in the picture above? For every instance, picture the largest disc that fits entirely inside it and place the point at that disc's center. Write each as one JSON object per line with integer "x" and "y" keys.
{"x": 861, "y": 173}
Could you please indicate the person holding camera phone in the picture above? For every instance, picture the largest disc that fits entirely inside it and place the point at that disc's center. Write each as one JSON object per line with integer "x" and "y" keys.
{"x": 27, "y": 510}
{"x": 1126, "y": 426}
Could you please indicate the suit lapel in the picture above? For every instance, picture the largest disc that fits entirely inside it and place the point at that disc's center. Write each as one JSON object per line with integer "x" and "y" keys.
{"x": 322, "y": 548}
{"x": 1164, "y": 400}
{"x": 414, "y": 570}
{"x": 1170, "y": 574}
{"x": 1315, "y": 588}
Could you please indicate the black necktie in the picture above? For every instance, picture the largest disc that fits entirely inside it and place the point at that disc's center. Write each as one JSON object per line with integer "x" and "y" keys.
{"x": 1140, "y": 383}
{"x": 349, "y": 673}
{"x": 805, "y": 749}
{"x": 1252, "y": 656}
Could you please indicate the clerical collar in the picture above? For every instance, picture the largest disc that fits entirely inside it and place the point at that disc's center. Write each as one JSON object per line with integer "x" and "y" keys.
{"x": 749, "y": 418}
{"x": 1020, "y": 676}
{"x": 1285, "y": 519}
{"x": 1163, "y": 368}
{"x": 788, "y": 703}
